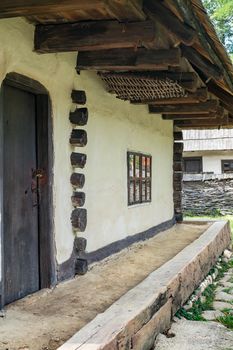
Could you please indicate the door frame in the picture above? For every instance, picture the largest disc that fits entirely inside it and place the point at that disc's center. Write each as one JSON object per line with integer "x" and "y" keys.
{"x": 44, "y": 146}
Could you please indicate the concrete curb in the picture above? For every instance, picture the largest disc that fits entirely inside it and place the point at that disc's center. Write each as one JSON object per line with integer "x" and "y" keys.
{"x": 134, "y": 321}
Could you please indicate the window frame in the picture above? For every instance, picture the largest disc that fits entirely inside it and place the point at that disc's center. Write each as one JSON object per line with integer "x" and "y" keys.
{"x": 140, "y": 179}
{"x": 200, "y": 159}
{"x": 225, "y": 161}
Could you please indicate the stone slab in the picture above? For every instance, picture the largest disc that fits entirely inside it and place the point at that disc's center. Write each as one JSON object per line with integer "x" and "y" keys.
{"x": 221, "y": 305}
{"x": 227, "y": 277}
{"x": 222, "y": 296}
{"x": 196, "y": 335}
{"x": 144, "y": 339}
{"x": 211, "y": 315}
{"x": 225, "y": 285}
{"x": 120, "y": 324}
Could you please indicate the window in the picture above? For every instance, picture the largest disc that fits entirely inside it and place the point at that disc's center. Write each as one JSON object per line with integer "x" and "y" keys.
{"x": 139, "y": 178}
{"x": 193, "y": 165}
{"x": 227, "y": 166}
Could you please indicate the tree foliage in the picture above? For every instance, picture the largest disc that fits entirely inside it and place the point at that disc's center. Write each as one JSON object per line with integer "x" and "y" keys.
{"x": 221, "y": 14}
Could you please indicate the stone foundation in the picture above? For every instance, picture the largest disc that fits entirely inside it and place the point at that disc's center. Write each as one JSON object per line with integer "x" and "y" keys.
{"x": 208, "y": 194}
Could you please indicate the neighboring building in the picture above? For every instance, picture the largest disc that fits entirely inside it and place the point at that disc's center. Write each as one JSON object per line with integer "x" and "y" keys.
{"x": 208, "y": 151}
{"x": 208, "y": 172}
{"x": 84, "y": 174}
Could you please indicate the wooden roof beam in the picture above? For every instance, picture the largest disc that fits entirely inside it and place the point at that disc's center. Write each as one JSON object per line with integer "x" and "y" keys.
{"x": 20, "y": 8}
{"x": 210, "y": 106}
{"x": 207, "y": 43}
{"x": 205, "y": 123}
{"x": 201, "y": 95}
{"x": 88, "y": 36}
{"x": 220, "y": 113}
{"x": 119, "y": 9}
{"x": 195, "y": 58}
{"x": 223, "y": 95}
{"x": 188, "y": 116}
{"x": 182, "y": 31}
{"x": 128, "y": 59}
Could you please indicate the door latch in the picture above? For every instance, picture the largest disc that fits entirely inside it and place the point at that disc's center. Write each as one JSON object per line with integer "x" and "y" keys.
{"x": 38, "y": 180}
{"x": 38, "y": 173}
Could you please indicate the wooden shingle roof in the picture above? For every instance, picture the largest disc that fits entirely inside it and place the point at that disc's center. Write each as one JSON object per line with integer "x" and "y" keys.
{"x": 208, "y": 140}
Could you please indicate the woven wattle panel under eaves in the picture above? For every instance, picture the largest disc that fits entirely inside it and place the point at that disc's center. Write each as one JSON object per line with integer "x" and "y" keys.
{"x": 141, "y": 88}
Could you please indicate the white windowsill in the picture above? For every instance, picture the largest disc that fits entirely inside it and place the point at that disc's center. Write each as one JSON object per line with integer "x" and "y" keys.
{"x": 139, "y": 205}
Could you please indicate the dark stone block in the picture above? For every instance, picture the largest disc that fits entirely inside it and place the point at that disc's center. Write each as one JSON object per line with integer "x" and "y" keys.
{"x": 78, "y": 138}
{"x": 77, "y": 180}
{"x": 178, "y": 147}
{"x": 81, "y": 267}
{"x": 79, "y": 116}
{"x": 79, "y": 97}
{"x": 80, "y": 244}
{"x": 78, "y": 160}
{"x": 178, "y": 136}
{"x": 78, "y": 199}
{"x": 79, "y": 219}
{"x": 179, "y": 217}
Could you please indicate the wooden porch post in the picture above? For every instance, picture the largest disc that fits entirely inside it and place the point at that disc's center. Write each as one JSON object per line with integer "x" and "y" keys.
{"x": 178, "y": 175}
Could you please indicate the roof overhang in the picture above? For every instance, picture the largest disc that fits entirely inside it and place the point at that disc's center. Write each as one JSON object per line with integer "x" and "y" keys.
{"x": 164, "y": 53}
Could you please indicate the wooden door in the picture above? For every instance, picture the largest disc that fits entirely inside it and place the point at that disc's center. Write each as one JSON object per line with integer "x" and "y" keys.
{"x": 20, "y": 210}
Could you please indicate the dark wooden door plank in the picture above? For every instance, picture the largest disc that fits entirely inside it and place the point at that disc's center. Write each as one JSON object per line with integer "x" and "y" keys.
{"x": 21, "y": 257}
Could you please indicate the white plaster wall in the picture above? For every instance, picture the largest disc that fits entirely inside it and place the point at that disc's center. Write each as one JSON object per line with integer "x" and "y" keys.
{"x": 114, "y": 127}
{"x": 211, "y": 160}
{"x": 57, "y": 74}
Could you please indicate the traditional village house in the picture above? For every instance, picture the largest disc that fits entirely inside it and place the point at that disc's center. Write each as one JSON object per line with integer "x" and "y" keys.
{"x": 208, "y": 151}
{"x": 83, "y": 173}
{"x": 208, "y": 172}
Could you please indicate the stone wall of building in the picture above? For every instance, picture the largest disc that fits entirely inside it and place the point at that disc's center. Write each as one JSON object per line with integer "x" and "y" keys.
{"x": 207, "y": 194}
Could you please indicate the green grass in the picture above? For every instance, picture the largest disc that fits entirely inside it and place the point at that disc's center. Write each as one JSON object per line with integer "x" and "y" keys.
{"x": 227, "y": 310}
{"x": 221, "y": 272}
{"x": 209, "y": 293}
{"x": 228, "y": 290}
{"x": 226, "y": 320}
{"x": 195, "y": 312}
{"x": 213, "y": 217}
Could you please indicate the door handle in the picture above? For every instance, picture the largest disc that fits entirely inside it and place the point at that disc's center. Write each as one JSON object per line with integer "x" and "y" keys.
{"x": 38, "y": 173}
{"x": 38, "y": 177}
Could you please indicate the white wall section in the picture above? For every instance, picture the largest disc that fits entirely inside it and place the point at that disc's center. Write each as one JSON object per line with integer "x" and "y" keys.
{"x": 114, "y": 127}
{"x": 211, "y": 160}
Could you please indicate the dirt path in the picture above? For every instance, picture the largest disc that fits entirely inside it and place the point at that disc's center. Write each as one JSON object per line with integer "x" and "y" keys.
{"x": 47, "y": 319}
